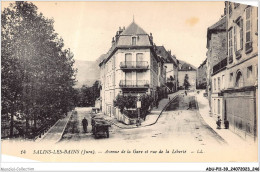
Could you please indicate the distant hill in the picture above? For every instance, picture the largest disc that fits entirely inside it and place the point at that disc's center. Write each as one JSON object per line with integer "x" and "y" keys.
{"x": 88, "y": 72}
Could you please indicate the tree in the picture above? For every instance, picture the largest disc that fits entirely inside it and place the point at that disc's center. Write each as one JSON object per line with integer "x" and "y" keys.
{"x": 186, "y": 83}
{"x": 37, "y": 72}
{"x": 129, "y": 101}
{"x": 88, "y": 95}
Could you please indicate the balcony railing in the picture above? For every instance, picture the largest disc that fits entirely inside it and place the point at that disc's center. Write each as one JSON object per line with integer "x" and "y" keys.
{"x": 134, "y": 83}
{"x": 134, "y": 65}
{"x": 220, "y": 65}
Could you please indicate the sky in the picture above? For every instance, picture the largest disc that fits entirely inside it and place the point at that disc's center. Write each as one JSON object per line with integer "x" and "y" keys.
{"x": 88, "y": 27}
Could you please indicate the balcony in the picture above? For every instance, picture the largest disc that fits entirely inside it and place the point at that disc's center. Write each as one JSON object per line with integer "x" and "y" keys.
{"x": 134, "y": 65}
{"x": 222, "y": 64}
{"x": 134, "y": 84}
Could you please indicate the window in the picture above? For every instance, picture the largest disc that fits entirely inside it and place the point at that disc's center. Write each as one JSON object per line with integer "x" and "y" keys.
{"x": 215, "y": 84}
{"x": 133, "y": 40}
{"x": 218, "y": 83}
{"x": 235, "y": 38}
{"x": 214, "y": 105}
{"x": 249, "y": 71}
{"x": 230, "y": 46}
{"x": 218, "y": 106}
{"x": 229, "y": 8}
{"x": 239, "y": 79}
{"x": 223, "y": 81}
{"x": 231, "y": 79}
{"x": 128, "y": 57}
{"x": 139, "y": 57}
{"x": 248, "y": 45}
{"x": 236, "y": 5}
{"x": 238, "y": 35}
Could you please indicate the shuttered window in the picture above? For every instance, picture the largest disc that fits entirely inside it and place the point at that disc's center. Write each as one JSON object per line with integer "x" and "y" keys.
{"x": 230, "y": 46}
{"x": 248, "y": 42}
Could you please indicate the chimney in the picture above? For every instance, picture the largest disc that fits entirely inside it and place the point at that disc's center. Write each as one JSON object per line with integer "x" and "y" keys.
{"x": 170, "y": 52}
{"x": 151, "y": 37}
{"x": 124, "y": 28}
{"x": 120, "y": 30}
{"x": 117, "y": 35}
{"x": 113, "y": 41}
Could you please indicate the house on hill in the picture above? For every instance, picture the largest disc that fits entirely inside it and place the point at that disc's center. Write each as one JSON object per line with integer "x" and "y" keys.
{"x": 171, "y": 66}
{"x": 187, "y": 72}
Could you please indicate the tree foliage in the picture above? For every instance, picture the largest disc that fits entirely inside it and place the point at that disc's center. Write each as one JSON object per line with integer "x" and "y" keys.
{"x": 37, "y": 72}
{"x": 86, "y": 96}
{"x": 129, "y": 101}
{"x": 186, "y": 83}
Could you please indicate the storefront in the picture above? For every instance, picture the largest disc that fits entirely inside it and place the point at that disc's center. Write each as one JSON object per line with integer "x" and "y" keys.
{"x": 241, "y": 112}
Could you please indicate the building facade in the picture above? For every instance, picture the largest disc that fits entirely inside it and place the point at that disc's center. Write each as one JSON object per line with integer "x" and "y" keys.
{"x": 217, "y": 50}
{"x": 202, "y": 75}
{"x": 240, "y": 96}
{"x": 170, "y": 64}
{"x": 187, "y": 70}
{"x": 131, "y": 67}
{"x": 218, "y": 86}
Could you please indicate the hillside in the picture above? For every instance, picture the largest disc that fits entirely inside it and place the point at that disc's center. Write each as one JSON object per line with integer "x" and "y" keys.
{"x": 88, "y": 72}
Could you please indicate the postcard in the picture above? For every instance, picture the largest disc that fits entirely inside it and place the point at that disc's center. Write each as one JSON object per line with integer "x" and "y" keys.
{"x": 129, "y": 81}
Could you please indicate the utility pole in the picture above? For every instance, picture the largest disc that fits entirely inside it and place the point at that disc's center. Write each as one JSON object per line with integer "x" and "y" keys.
{"x": 138, "y": 105}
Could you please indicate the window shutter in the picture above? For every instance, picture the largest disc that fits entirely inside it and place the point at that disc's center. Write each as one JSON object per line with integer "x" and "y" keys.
{"x": 241, "y": 34}
{"x": 235, "y": 38}
{"x": 248, "y": 42}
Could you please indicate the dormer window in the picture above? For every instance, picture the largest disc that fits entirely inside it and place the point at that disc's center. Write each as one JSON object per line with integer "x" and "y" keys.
{"x": 134, "y": 40}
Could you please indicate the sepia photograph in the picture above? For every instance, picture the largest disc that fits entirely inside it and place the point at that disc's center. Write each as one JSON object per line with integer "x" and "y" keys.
{"x": 129, "y": 81}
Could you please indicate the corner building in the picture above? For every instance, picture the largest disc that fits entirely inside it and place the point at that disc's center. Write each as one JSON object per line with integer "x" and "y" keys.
{"x": 131, "y": 66}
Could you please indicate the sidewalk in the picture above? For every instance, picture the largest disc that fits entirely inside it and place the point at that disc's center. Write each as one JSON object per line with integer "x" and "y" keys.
{"x": 231, "y": 138}
{"x": 54, "y": 134}
{"x": 150, "y": 118}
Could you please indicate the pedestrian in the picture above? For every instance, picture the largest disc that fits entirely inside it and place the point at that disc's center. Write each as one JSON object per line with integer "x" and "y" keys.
{"x": 169, "y": 98}
{"x": 157, "y": 103}
{"x": 85, "y": 124}
{"x": 218, "y": 123}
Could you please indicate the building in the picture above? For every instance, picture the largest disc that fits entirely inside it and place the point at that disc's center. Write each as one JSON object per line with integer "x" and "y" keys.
{"x": 240, "y": 96}
{"x": 131, "y": 66}
{"x": 219, "y": 79}
{"x": 187, "y": 70}
{"x": 170, "y": 63}
{"x": 202, "y": 75}
{"x": 217, "y": 49}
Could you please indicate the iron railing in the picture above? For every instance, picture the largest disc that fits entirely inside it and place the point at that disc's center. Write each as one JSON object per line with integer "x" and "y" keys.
{"x": 134, "y": 65}
{"x": 220, "y": 65}
{"x": 134, "y": 83}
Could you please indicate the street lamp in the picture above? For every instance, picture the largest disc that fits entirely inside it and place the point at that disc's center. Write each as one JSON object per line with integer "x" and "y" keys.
{"x": 138, "y": 105}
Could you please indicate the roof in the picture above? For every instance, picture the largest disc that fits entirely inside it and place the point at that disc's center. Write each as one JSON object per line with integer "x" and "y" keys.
{"x": 123, "y": 40}
{"x": 161, "y": 51}
{"x": 219, "y": 26}
{"x": 133, "y": 29}
{"x": 184, "y": 66}
{"x": 203, "y": 63}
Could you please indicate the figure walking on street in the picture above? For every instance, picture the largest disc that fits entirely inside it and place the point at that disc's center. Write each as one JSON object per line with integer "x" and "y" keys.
{"x": 85, "y": 124}
{"x": 218, "y": 123}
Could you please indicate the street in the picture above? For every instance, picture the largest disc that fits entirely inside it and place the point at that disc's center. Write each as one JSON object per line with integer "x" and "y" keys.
{"x": 181, "y": 123}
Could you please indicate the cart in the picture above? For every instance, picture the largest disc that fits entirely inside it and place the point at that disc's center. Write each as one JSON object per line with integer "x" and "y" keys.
{"x": 100, "y": 127}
